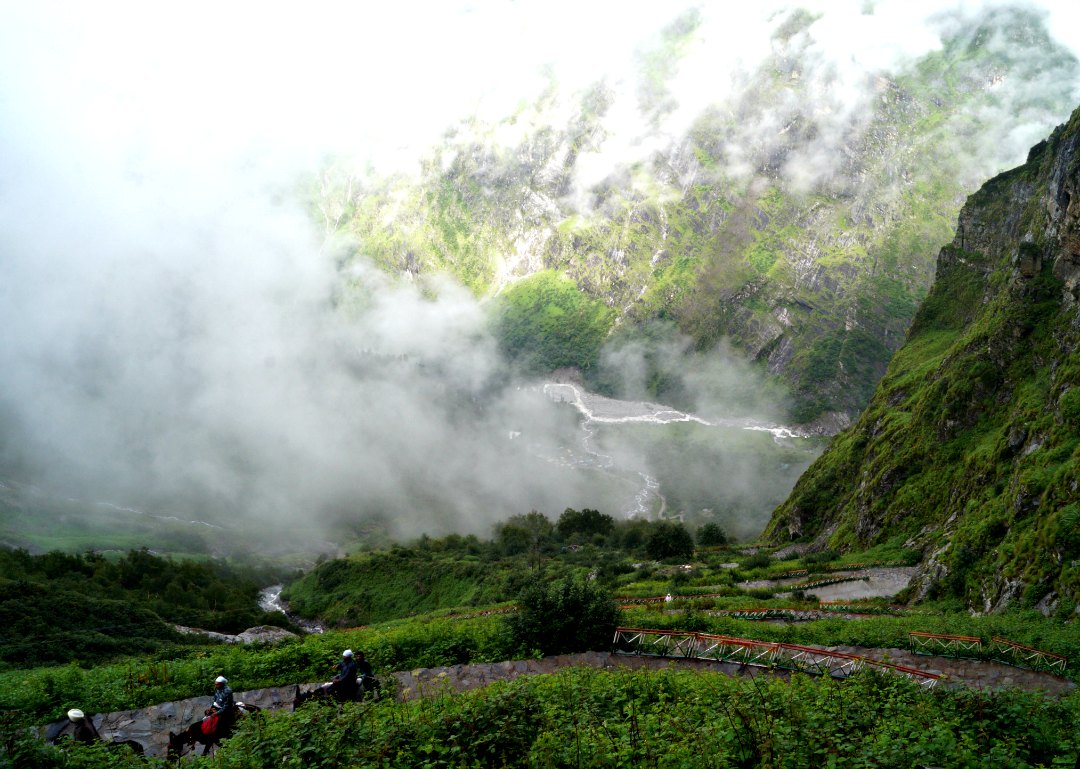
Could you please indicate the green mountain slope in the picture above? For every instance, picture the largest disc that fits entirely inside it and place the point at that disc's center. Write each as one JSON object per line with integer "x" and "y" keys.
{"x": 802, "y": 232}
{"x": 970, "y": 447}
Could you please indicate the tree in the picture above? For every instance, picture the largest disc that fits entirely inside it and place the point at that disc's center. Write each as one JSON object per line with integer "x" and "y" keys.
{"x": 711, "y": 535}
{"x": 571, "y": 615}
{"x": 669, "y": 540}
{"x": 585, "y": 523}
{"x": 525, "y": 533}
{"x": 633, "y": 534}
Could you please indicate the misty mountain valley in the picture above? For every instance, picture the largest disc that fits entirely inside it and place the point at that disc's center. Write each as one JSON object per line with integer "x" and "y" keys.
{"x": 512, "y": 384}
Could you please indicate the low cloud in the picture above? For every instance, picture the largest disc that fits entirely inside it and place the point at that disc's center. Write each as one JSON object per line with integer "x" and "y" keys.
{"x": 173, "y": 330}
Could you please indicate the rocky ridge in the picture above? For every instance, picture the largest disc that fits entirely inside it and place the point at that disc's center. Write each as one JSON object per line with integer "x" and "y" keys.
{"x": 968, "y": 451}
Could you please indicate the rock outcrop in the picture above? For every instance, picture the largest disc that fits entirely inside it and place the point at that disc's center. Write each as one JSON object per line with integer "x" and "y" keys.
{"x": 260, "y": 634}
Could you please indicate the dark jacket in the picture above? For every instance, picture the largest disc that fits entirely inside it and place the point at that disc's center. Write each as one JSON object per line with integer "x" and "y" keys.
{"x": 85, "y": 731}
{"x": 345, "y": 680}
{"x": 223, "y": 699}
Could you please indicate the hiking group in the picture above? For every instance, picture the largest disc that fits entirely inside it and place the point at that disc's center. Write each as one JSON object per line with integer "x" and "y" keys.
{"x": 353, "y": 678}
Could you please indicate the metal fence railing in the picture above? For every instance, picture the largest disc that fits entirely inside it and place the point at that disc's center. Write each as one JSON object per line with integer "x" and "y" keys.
{"x": 744, "y": 651}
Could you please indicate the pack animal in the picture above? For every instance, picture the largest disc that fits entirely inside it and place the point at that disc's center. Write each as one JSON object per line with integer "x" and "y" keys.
{"x": 81, "y": 728}
{"x": 208, "y": 732}
{"x": 368, "y": 686}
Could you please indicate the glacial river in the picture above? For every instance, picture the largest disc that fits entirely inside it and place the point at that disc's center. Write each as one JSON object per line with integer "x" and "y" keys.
{"x": 598, "y": 411}
{"x": 270, "y": 600}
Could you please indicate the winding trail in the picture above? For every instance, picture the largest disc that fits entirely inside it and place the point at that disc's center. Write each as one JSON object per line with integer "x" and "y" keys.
{"x": 150, "y": 726}
{"x": 874, "y": 582}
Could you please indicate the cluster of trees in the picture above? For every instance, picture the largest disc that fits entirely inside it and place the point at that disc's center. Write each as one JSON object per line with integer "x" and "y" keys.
{"x": 431, "y": 574}
{"x": 536, "y": 534}
{"x": 58, "y": 607}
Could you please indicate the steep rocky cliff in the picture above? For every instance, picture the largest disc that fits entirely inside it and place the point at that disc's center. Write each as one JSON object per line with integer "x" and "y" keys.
{"x": 969, "y": 450}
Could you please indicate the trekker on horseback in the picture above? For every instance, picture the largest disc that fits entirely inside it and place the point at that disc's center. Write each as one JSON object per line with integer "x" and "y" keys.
{"x": 81, "y": 728}
{"x": 343, "y": 685}
{"x": 223, "y": 704}
{"x": 84, "y": 729}
{"x": 363, "y": 667}
{"x": 367, "y": 675}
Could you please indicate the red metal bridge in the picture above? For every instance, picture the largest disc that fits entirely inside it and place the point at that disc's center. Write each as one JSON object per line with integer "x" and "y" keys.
{"x": 805, "y": 659}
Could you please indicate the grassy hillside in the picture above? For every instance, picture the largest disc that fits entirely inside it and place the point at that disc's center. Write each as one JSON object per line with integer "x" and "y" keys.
{"x": 970, "y": 447}
{"x": 431, "y": 595}
{"x": 58, "y": 607}
{"x": 455, "y": 572}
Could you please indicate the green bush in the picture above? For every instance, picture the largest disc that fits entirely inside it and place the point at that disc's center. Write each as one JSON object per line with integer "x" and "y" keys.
{"x": 544, "y": 322}
{"x": 571, "y": 615}
{"x": 711, "y": 535}
{"x": 669, "y": 540}
{"x": 758, "y": 560}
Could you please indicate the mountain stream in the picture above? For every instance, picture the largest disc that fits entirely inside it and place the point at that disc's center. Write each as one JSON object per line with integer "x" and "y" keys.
{"x": 598, "y": 410}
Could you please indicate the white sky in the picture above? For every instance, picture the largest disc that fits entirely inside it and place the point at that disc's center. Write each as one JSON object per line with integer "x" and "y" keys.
{"x": 208, "y": 82}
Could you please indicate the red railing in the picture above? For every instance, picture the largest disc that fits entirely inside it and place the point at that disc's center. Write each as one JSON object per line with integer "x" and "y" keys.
{"x": 1027, "y": 656}
{"x": 744, "y": 651}
{"x": 1001, "y": 649}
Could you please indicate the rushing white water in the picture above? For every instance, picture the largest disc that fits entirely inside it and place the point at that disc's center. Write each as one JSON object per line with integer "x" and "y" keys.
{"x": 598, "y": 409}
{"x": 270, "y": 600}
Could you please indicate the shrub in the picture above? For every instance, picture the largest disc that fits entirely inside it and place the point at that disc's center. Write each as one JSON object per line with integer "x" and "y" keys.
{"x": 711, "y": 535}
{"x": 757, "y": 561}
{"x": 568, "y": 616}
{"x": 669, "y": 540}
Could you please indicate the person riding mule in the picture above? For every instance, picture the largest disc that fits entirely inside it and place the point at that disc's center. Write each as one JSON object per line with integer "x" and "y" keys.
{"x": 208, "y": 732}
{"x": 343, "y": 686}
{"x": 355, "y": 678}
{"x": 84, "y": 729}
{"x": 223, "y": 698}
{"x": 80, "y": 728}
{"x": 217, "y": 723}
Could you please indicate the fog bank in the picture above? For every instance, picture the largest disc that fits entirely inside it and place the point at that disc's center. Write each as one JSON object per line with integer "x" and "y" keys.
{"x": 173, "y": 332}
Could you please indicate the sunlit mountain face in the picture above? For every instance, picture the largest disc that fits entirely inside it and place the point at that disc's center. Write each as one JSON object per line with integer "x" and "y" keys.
{"x": 285, "y": 277}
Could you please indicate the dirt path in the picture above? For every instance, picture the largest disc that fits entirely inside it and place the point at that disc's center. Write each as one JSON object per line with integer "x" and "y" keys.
{"x": 878, "y": 582}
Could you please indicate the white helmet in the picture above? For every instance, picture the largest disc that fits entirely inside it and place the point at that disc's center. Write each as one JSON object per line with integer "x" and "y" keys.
{"x": 347, "y": 653}
{"x": 220, "y": 680}
{"x": 75, "y": 714}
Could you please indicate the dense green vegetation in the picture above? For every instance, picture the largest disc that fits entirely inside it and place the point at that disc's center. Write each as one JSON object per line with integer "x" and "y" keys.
{"x": 665, "y": 719}
{"x": 457, "y": 571}
{"x": 544, "y": 323}
{"x": 969, "y": 449}
{"x": 113, "y": 606}
{"x": 570, "y": 569}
